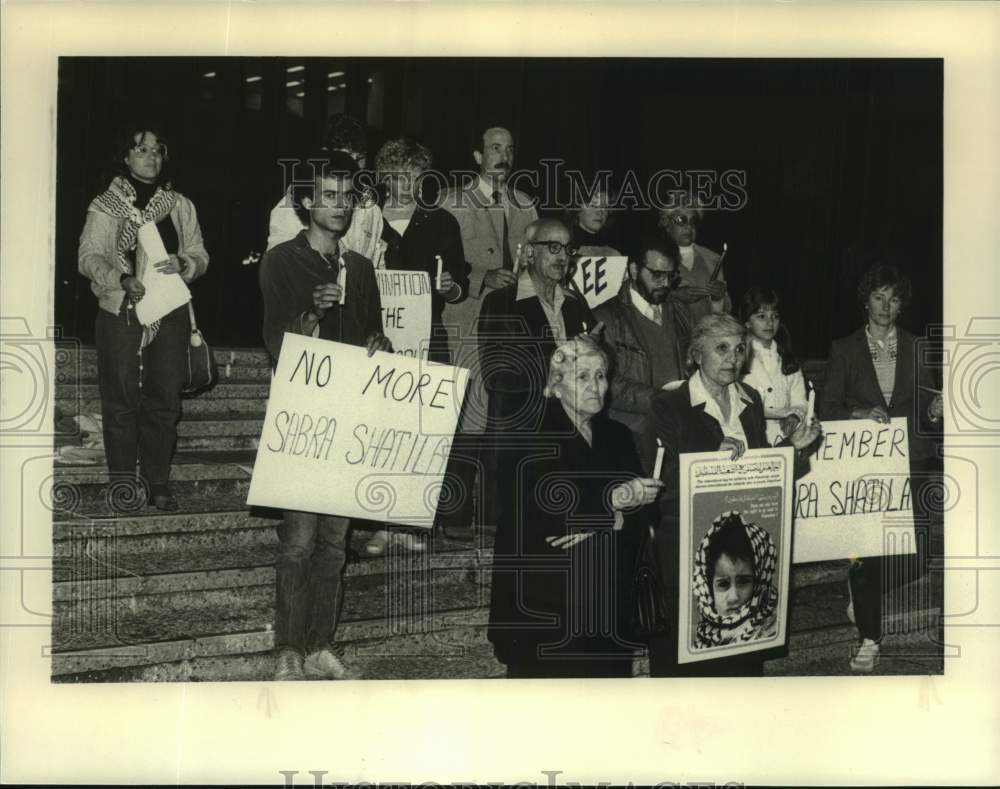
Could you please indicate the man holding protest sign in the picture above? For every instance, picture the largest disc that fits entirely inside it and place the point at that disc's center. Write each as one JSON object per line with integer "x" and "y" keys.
{"x": 313, "y": 285}
{"x": 646, "y": 329}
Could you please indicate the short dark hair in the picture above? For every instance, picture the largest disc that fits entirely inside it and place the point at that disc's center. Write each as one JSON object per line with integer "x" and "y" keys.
{"x": 325, "y": 164}
{"x": 884, "y": 275}
{"x": 730, "y": 538}
{"x": 655, "y": 240}
{"x": 346, "y": 133}
{"x": 125, "y": 141}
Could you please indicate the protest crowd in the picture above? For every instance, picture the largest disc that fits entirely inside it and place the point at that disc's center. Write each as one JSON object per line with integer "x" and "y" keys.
{"x": 566, "y": 457}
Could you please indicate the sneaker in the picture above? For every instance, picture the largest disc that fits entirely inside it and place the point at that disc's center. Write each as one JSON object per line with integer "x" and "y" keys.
{"x": 326, "y": 665}
{"x": 384, "y": 538}
{"x": 288, "y": 667}
{"x": 866, "y": 658}
{"x": 378, "y": 543}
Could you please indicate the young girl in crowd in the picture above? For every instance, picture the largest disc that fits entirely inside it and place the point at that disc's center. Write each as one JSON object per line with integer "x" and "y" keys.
{"x": 733, "y": 574}
{"x": 772, "y": 368}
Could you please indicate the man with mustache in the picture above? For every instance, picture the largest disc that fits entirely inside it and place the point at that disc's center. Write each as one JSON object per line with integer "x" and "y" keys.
{"x": 519, "y": 328}
{"x": 492, "y": 218}
{"x": 306, "y": 291}
{"x": 646, "y": 329}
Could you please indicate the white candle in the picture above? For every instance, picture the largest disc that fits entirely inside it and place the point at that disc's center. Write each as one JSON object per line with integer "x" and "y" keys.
{"x": 811, "y": 406}
{"x": 517, "y": 259}
{"x": 658, "y": 466}
{"x": 342, "y": 281}
{"x": 437, "y": 281}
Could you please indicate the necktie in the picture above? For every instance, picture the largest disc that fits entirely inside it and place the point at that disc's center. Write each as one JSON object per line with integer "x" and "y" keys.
{"x": 508, "y": 260}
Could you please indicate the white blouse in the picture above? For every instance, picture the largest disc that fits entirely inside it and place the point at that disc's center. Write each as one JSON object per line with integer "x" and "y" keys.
{"x": 781, "y": 393}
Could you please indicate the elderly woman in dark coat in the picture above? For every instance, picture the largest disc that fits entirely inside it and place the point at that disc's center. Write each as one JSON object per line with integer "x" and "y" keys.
{"x": 710, "y": 411}
{"x": 874, "y": 373}
{"x": 557, "y": 598}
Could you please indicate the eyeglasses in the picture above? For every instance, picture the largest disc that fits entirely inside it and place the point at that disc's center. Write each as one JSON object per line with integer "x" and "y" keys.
{"x": 142, "y": 150}
{"x": 664, "y": 276}
{"x": 683, "y": 219}
{"x": 556, "y": 247}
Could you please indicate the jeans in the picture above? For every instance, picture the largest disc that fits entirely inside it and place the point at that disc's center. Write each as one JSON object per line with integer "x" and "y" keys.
{"x": 312, "y": 550}
{"x": 141, "y": 421}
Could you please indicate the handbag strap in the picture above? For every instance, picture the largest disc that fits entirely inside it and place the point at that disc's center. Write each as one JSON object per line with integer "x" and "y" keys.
{"x": 194, "y": 323}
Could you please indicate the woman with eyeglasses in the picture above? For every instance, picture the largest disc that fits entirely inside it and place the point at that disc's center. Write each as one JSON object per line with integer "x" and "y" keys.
{"x": 703, "y": 294}
{"x": 141, "y": 369}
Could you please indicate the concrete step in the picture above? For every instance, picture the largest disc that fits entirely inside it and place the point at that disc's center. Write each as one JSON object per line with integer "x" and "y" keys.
{"x": 69, "y": 355}
{"x": 213, "y": 408}
{"x": 99, "y": 551}
{"x": 226, "y": 388}
{"x": 442, "y": 635}
{"x": 89, "y": 501}
{"x": 86, "y": 373}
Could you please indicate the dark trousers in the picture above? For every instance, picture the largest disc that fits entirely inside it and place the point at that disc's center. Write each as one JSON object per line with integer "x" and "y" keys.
{"x": 140, "y": 421}
{"x": 872, "y": 577}
{"x": 312, "y": 550}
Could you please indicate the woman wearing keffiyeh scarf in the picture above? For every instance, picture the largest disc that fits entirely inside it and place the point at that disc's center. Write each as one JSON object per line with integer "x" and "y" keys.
{"x": 140, "y": 368}
{"x": 733, "y": 575}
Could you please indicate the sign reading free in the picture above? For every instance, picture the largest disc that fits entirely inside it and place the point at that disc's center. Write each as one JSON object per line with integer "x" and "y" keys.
{"x": 599, "y": 278}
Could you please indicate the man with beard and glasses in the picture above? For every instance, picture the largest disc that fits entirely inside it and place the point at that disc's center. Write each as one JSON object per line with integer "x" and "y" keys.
{"x": 646, "y": 329}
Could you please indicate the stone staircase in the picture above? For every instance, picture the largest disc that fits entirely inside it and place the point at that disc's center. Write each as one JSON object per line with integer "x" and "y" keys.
{"x": 188, "y": 596}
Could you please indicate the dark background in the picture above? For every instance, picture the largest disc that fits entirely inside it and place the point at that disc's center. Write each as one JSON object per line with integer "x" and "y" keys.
{"x": 843, "y": 157}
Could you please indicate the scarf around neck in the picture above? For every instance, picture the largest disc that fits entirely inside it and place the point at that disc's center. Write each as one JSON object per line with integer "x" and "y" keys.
{"x": 119, "y": 201}
{"x": 715, "y": 629}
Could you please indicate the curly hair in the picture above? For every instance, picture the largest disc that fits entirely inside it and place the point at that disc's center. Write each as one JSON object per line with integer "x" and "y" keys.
{"x": 883, "y": 275}
{"x": 402, "y": 155}
{"x": 124, "y": 142}
{"x": 565, "y": 356}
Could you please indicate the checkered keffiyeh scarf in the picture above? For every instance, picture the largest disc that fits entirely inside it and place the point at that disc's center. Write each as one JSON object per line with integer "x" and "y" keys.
{"x": 119, "y": 201}
{"x": 745, "y": 624}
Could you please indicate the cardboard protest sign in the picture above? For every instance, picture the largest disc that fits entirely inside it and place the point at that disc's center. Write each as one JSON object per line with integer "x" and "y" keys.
{"x": 856, "y": 499}
{"x": 599, "y": 278}
{"x": 406, "y": 310}
{"x": 358, "y": 436}
{"x": 731, "y": 604}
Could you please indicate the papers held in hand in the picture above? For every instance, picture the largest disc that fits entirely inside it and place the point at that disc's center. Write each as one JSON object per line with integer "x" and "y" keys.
{"x": 164, "y": 292}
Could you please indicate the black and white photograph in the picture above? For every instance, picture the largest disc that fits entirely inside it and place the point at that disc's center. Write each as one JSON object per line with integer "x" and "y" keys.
{"x": 419, "y": 378}
{"x": 209, "y": 525}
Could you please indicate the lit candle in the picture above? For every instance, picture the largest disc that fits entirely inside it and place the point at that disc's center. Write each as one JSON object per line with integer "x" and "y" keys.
{"x": 437, "y": 281}
{"x": 342, "y": 280}
{"x": 658, "y": 466}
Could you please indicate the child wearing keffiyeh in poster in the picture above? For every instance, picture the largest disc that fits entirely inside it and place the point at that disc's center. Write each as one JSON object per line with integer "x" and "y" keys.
{"x": 733, "y": 573}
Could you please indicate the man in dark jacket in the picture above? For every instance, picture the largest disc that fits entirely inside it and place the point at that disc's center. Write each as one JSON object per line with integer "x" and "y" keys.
{"x": 646, "y": 329}
{"x": 314, "y": 285}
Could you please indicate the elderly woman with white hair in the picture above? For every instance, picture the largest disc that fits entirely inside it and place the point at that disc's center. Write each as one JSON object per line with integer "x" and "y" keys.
{"x": 558, "y": 604}
{"x": 710, "y": 411}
